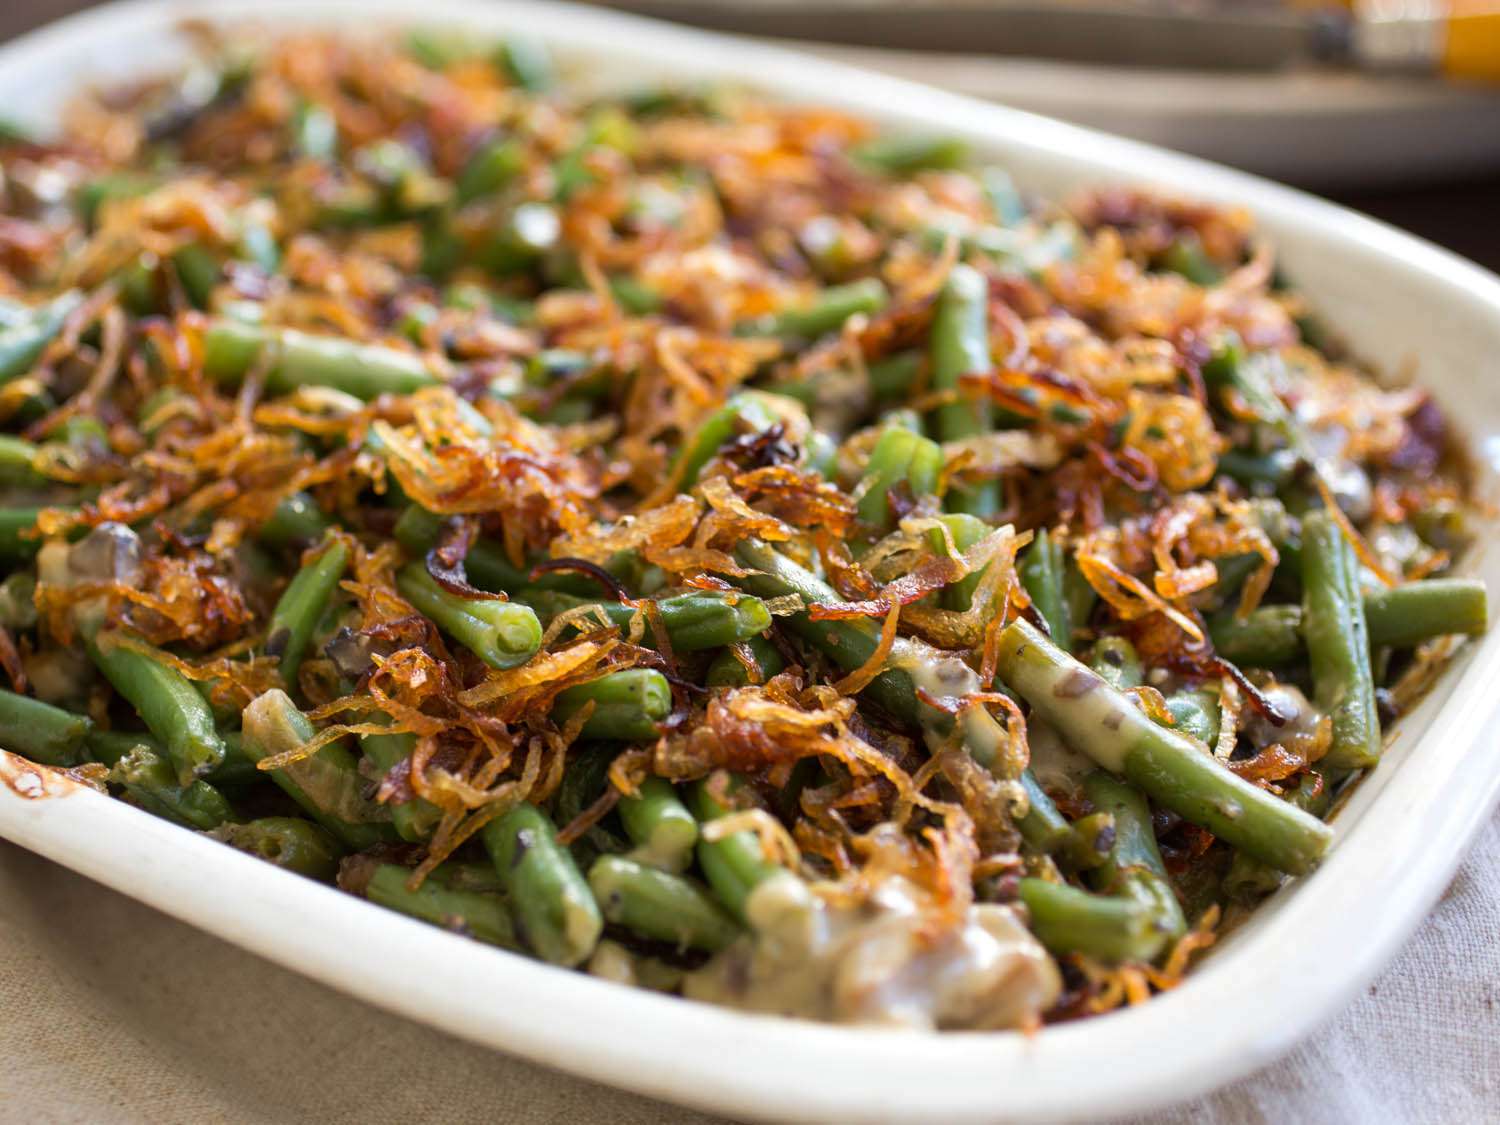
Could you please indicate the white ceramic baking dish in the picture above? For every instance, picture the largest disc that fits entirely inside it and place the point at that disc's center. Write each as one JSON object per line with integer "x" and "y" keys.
{"x": 1404, "y": 303}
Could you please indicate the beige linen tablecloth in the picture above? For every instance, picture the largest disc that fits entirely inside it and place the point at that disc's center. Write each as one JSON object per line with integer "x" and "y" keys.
{"x": 111, "y": 1012}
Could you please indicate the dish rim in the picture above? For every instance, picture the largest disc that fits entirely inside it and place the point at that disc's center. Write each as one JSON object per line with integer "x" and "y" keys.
{"x": 793, "y": 1070}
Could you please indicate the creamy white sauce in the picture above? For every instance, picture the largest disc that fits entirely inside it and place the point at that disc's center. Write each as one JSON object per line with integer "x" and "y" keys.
{"x": 612, "y": 961}
{"x": 884, "y": 959}
{"x": 942, "y": 678}
{"x": 1301, "y": 717}
{"x": 1086, "y": 710}
{"x": 110, "y": 552}
{"x": 60, "y": 676}
{"x": 1057, "y": 766}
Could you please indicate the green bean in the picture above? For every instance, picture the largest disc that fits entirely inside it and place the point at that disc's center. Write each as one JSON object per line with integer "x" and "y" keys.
{"x": 727, "y": 671}
{"x": 18, "y": 599}
{"x": 23, "y": 343}
{"x": 526, "y": 62}
{"x": 1089, "y": 842}
{"x": 109, "y": 746}
{"x": 1273, "y": 517}
{"x": 1444, "y": 526}
{"x": 1414, "y": 612}
{"x": 165, "y": 699}
{"x": 960, "y": 345}
{"x": 634, "y": 296}
{"x": 231, "y": 349}
{"x": 746, "y": 412}
{"x": 662, "y": 101}
{"x": 1249, "y": 376}
{"x": 198, "y": 272}
{"x": 571, "y": 172}
{"x": 492, "y": 166}
{"x": 435, "y": 49}
{"x": 628, "y": 705}
{"x": 1133, "y": 867}
{"x": 486, "y": 564}
{"x": 442, "y": 253}
{"x": 827, "y": 313}
{"x": 903, "y": 458}
{"x": 521, "y": 240}
{"x": 415, "y": 319}
{"x": 236, "y": 770}
{"x": 1115, "y": 659}
{"x": 154, "y": 785}
{"x": 659, "y": 825}
{"x": 112, "y": 187}
{"x": 1172, "y": 770}
{"x": 34, "y": 405}
{"x": 1268, "y": 637}
{"x": 820, "y": 454}
{"x": 159, "y": 408}
{"x": 82, "y": 433}
{"x": 407, "y": 188}
{"x": 1338, "y": 644}
{"x": 472, "y": 297}
{"x": 297, "y": 521}
{"x": 901, "y": 156}
{"x": 555, "y": 912}
{"x": 1003, "y": 197}
{"x": 895, "y": 376}
{"x": 445, "y": 899}
{"x": 357, "y": 204}
{"x": 327, "y": 784}
{"x": 1275, "y": 468}
{"x": 1187, "y": 258}
{"x": 1196, "y": 713}
{"x": 659, "y": 905}
{"x": 40, "y": 731}
{"x": 570, "y": 410}
{"x": 257, "y": 246}
{"x": 1037, "y": 251}
{"x": 965, "y": 530}
{"x": 850, "y": 643}
{"x": 1042, "y": 575}
{"x": 1400, "y": 617}
{"x": 13, "y": 311}
{"x": 1043, "y": 827}
{"x": 1249, "y": 878}
{"x": 693, "y": 622}
{"x": 583, "y": 783}
{"x": 1081, "y": 596}
{"x": 503, "y": 634}
{"x": 302, "y": 604}
{"x": 139, "y": 291}
{"x": 18, "y": 461}
{"x": 315, "y": 132}
{"x": 288, "y": 842}
{"x": 1111, "y": 929}
{"x": 736, "y": 864}
{"x": 416, "y": 819}
{"x": 826, "y": 245}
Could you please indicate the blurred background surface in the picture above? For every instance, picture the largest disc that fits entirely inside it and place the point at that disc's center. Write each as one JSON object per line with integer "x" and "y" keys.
{"x": 1244, "y": 82}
